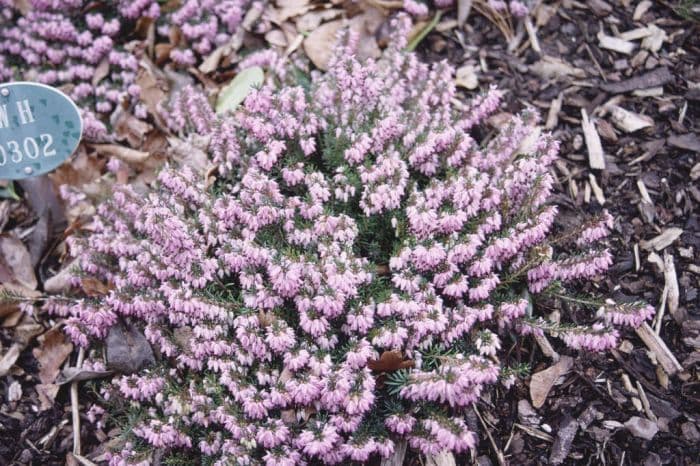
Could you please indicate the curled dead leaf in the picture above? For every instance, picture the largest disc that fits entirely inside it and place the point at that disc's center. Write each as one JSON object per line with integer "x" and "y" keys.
{"x": 94, "y": 287}
{"x": 14, "y": 254}
{"x": 74, "y": 374}
{"x": 124, "y": 153}
{"x": 52, "y": 351}
{"x": 128, "y": 351}
{"x": 542, "y": 382}
{"x": 390, "y": 361}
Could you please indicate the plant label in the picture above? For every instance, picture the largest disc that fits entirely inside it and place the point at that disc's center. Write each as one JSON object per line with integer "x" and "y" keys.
{"x": 40, "y": 127}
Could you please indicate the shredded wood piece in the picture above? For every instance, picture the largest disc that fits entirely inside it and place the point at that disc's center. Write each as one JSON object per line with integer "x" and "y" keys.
{"x": 553, "y": 114}
{"x": 596, "y": 157}
{"x": 663, "y": 240}
{"x": 532, "y": 35}
{"x": 671, "y": 281}
{"x": 615, "y": 44}
{"x": 657, "y": 346}
{"x": 597, "y": 190}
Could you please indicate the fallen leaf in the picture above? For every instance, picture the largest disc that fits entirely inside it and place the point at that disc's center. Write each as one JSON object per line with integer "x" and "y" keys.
{"x": 290, "y": 9}
{"x": 9, "y": 358}
{"x": 162, "y": 53}
{"x": 128, "y": 351}
{"x": 276, "y": 38}
{"x": 320, "y": 44}
{"x": 101, "y": 71}
{"x": 27, "y": 330}
{"x": 14, "y": 254}
{"x": 235, "y": 92}
{"x": 94, "y": 287}
{"x": 74, "y": 374}
{"x": 131, "y": 129}
{"x": 390, "y": 361}
{"x": 39, "y": 237}
{"x": 211, "y": 62}
{"x": 124, "y": 153}
{"x": 47, "y": 393}
{"x": 60, "y": 282}
{"x": 312, "y": 20}
{"x": 542, "y": 382}
{"x": 153, "y": 90}
{"x": 41, "y": 195}
{"x": 52, "y": 351}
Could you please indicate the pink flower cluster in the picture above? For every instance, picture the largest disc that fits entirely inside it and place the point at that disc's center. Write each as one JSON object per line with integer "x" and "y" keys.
{"x": 80, "y": 46}
{"x": 352, "y": 219}
{"x": 204, "y": 25}
{"x": 420, "y": 8}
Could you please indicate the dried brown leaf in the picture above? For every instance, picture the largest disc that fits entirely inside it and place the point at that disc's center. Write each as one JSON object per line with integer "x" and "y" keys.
{"x": 74, "y": 374}
{"x": 9, "y": 358}
{"x": 131, "y": 129}
{"x": 543, "y": 381}
{"x": 127, "y": 349}
{"x": 390, "y": 361}
{"x": 52, "y": 351}
{"x": 124, "y": 153}
{"x": 60, "y": 282}
{"x": 101, "y": 72}
{"x": 93, "y": 287}
{"x": 16, "y": 257}
{"x": 47, "y": 393}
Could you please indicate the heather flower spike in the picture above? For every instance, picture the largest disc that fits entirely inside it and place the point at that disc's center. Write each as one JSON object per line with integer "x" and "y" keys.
{"x": 351, "y": 218}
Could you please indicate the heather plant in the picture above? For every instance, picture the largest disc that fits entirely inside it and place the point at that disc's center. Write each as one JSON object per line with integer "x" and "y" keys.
{"x": 82, "y": 47}
{"x": 346, "y": 281}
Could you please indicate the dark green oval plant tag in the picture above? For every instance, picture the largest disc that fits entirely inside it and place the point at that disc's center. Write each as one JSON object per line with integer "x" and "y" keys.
{"x": 40, "y": 127}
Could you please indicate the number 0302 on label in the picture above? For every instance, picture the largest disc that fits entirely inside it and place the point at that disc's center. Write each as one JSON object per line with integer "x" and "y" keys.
{"x": 40, "y": 127}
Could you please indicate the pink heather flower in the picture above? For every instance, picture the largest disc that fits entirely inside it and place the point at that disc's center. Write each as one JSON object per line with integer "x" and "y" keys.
{"x": 630, "y": 315}
{"x": 353, "y": 228}
{"x": 318, "y": 443}
{"x": 518, "y": 8}
{"x": 400, "y": 424}
{"x": 596, "y": 231}
{"x": 415, "y": 8}
{"x": 598, "y": 338}
{"x": 162, "y": 435}
{"x": 140, "y": 388}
